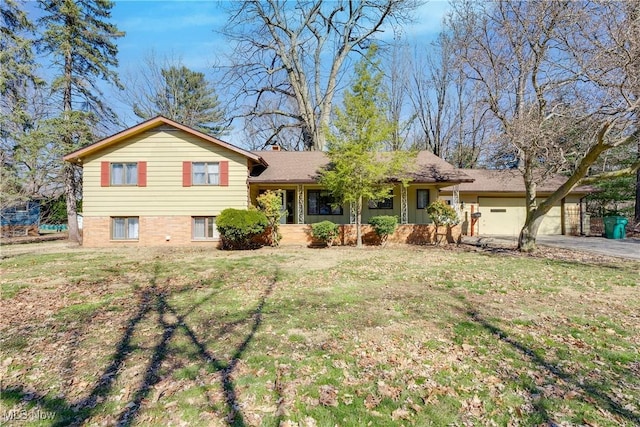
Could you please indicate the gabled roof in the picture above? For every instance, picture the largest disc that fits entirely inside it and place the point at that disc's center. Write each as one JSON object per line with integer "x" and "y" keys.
{"x": 431, "y": 168}
{"x": 511, "y": 181}
{"x": 303, "y": 166}
{"x": 151, "y": 124}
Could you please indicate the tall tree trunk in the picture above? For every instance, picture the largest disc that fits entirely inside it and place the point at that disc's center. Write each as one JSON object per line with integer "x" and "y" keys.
{"x": 527, "y": 239}
{"x": 308, "y": 140}
{"x": 70, "y": 182}
{"x": 322, "y": 126}
{"x": 70, "y": 187}
{"x": 636, "y": 215}
{"x": 359, "y": 223}
{"x": 528, "y": 234}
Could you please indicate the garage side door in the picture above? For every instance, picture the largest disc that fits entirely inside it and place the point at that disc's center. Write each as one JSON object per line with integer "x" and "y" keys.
{"x": 501, "y": 215}
{"x": 552, "y": 222}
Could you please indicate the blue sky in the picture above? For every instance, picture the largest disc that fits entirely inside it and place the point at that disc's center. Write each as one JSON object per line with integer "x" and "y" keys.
{"x": 180, "y": 29}
{"x": 186, "y": 30}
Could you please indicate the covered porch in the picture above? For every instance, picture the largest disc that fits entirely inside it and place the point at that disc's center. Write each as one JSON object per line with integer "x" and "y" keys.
{"x": 310, "y": 203}
{"x": 306, "y": 204}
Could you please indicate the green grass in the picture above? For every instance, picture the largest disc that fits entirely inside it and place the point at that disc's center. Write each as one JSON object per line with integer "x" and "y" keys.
{"x": 393, "y": 336}
{"x": 9, "y": 290}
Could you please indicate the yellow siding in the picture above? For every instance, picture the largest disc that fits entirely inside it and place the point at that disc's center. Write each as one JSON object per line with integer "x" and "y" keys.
{"x": 164, "y": 152}
{"x": 396, "y": 211}
{"x": 419, "y": 216}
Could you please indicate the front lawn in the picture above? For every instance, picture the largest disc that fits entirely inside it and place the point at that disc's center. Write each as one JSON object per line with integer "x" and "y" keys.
{"x": 340, "y": 336}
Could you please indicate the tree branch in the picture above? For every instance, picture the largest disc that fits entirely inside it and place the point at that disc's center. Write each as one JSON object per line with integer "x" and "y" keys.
{"x": 628, "y": 171}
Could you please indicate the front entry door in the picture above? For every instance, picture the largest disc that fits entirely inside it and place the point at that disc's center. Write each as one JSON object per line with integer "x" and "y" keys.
{"x": 288, "y": 204}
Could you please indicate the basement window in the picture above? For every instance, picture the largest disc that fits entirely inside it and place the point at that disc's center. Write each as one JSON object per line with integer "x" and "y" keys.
{"x": 204, "y": 228}
{"x": 124, "y": 228}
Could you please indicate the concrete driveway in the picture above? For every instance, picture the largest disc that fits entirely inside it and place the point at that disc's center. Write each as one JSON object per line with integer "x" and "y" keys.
{"x": 627, "y": 248}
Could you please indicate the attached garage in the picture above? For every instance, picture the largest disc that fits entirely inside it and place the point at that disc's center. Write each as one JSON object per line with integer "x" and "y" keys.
{"x": 506, "y": 216}
{"x": 499, "y": 196}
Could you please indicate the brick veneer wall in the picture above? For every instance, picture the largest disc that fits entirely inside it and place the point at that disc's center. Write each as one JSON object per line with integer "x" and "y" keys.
{"x": 415, "y": 234}
{"x": 153, "y": 231}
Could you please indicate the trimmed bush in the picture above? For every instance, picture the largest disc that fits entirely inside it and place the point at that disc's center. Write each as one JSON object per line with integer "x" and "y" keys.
{"x": 442, "y": 214}
{"x": 325, "y": 231}
{"x": 238, "y": 227}
{"x": 384, "y": 225}
{"x": 270, "y": 203}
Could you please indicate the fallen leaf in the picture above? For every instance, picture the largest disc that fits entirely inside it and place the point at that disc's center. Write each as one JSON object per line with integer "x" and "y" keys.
{"x": 386, "y": 390}
{"x": 328, "y": 396}
{"x": 371, "y": 401}
{"x": 310, "y": 422}
{"x": 400, "y": 414}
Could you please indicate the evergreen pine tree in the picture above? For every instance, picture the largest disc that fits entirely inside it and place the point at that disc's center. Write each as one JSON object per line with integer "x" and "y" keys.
{"x": 358, "y": 170}
{"x": 80, "y": 40}
{"x": 18, "y": 79}
{"x": 185, "y": 96}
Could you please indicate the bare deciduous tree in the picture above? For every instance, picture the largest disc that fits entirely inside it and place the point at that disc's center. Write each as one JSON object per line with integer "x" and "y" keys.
{"x": 556, "y": 118}
{"x": 295, "y": 53}
{"x": 611, "y": 42}
{"x": 431, "y": 95}
{"x": 450, "y": 121}
{"x": 396, "y": 86}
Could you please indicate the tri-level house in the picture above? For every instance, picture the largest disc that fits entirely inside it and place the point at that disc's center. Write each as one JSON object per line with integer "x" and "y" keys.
{"x": 159, "y": 182}
{"x": 163, "y": 183}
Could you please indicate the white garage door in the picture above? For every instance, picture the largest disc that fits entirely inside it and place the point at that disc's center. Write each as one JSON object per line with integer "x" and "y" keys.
{"x": 506, "y": 216}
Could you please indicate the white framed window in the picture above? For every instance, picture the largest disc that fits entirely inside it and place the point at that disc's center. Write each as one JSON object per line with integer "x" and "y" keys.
{"x": 124, "y": 174}
{"x": 124, "y": 228}
{"x": 204, "y": 228}
{"x": 205, "y": 173}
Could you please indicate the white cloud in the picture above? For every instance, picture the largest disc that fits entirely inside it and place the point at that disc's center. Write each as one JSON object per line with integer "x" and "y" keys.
{"x": 428, "y": 21}
{"x": 426, "y": 25}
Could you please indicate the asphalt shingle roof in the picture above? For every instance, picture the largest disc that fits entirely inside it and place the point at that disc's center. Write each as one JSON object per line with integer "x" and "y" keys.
{"x": 511, "y": 181}
{"x": 303, "y": 166}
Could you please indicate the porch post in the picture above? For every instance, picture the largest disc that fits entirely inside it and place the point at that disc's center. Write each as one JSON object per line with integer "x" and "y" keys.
{"x": 352, "y": 213}
{"x": 300, "y": 204}
{"x": 404, "y": 208}
{"x": 455, "y": 200}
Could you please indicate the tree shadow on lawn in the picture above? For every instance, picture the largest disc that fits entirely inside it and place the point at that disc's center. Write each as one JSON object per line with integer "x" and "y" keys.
{"x": 151, "y": 299}
{"x": 587, "y": 391}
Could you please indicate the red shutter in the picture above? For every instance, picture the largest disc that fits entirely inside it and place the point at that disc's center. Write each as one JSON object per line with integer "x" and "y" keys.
{"x": 186, "y": 174}
{"x": 224, "y": 173}
{"x": 142, "y": 174}
{"x": 104, "y": 174}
